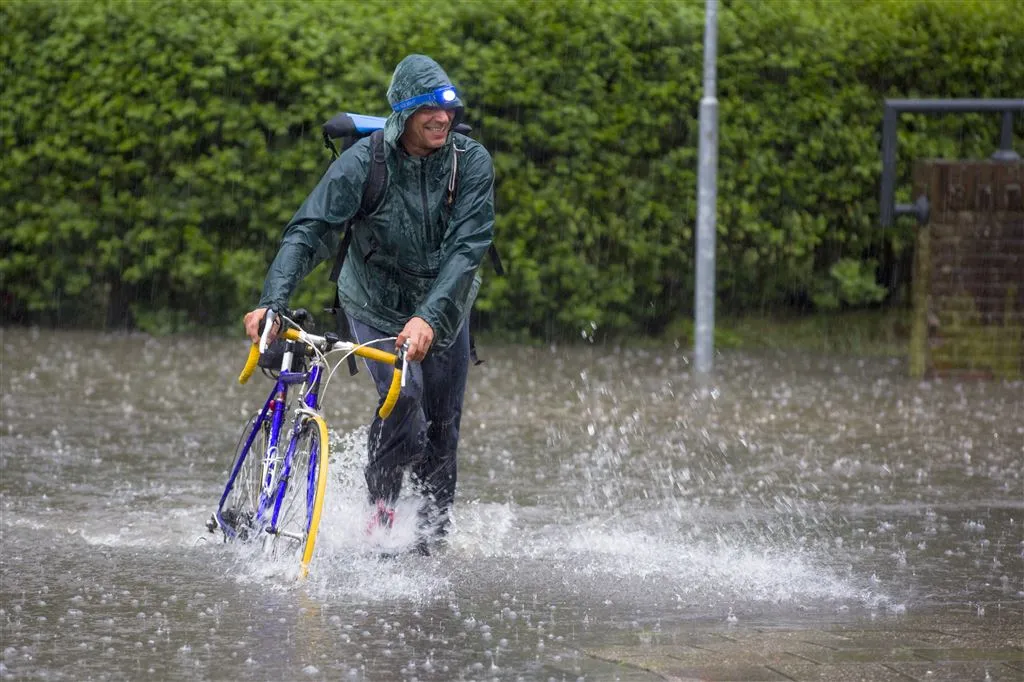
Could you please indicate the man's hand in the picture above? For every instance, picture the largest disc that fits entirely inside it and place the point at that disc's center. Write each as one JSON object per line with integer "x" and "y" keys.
{"x": 252, "y": 322}
{"x": 420, "y": 335}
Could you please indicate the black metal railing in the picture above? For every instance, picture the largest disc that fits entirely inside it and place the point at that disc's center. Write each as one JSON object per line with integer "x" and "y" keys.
{"x": 890, "y": 210}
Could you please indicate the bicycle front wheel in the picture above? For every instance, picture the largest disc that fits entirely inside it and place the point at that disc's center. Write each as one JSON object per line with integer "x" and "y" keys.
{"x": 301, "y": 495}
{"x": 239, "y": 511}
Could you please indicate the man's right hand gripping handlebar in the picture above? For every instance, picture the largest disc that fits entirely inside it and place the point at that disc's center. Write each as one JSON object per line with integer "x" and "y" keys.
{"x": 255, "y": 323}
{"x": 262, "y": 326}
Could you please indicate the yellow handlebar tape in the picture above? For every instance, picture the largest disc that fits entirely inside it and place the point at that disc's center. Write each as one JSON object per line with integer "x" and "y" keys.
{"x": 396, "y": 378}
{"x": 254, "y": 355}
{"x": 392, "y": 397}
{"x": 376, "y": 354}
{"x": 250, "y": 363}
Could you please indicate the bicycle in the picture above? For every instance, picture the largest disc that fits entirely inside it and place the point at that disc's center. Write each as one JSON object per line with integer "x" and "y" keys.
{"x": 264, "y": 494}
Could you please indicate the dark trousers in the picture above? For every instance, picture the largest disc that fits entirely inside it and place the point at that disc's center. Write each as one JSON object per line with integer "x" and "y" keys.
{"x": 422, "y": 433}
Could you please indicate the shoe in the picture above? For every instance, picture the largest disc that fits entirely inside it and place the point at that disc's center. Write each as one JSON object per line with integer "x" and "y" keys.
{"x": 430, "y": 544}
{"x": 381, "y": 517}
{"x": 431, "y": 531}
{"x": 422, "y": 547}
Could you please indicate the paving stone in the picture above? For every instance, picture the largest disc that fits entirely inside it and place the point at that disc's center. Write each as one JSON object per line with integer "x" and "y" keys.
{"x": 685, "y": 663}
{"x": 962, "y": 654}
{"x": 649, "y": 659}
{"x": 722, "y": 673}
{"x": 590, "y": 668}
{"x": 947, "y": 671}
{"x": 852, "y": 672}
{"x": 866, "y": 655}
{"x": 885, "y": 639}
{"x": 938, "y": 648}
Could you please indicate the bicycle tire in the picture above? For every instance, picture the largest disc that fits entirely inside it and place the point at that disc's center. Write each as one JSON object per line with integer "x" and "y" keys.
{"x": 239, "y": 512}
{"x": 302, "y": 495}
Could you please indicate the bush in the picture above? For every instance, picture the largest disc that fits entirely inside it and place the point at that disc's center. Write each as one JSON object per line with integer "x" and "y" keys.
{"x": 850, "y": 283}
{"x": 152, "y": 155}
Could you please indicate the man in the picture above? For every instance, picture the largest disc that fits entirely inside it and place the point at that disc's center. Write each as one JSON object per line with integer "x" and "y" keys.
{"x": 410, "y": 272}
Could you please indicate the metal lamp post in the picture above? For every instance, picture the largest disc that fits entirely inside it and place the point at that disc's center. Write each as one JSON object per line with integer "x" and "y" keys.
{"x": 707, "y": 189}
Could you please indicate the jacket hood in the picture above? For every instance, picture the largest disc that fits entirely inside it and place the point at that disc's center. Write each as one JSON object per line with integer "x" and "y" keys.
{"x": 415, "y": 75}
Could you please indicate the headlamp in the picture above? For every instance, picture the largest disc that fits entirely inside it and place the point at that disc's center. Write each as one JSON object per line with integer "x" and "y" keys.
{"x": 444, "y": 97}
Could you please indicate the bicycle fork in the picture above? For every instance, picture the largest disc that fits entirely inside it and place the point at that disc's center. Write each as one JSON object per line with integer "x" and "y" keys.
{"x": 274, "y": 467}
{"x": 305, "y": 418}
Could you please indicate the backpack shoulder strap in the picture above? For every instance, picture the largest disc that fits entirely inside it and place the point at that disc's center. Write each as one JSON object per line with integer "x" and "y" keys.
{"x": 453, "y": 190}
{"x": 377, "y": 177}
{"x": 492, "y": 250}
{"x": 453, "y": 181}
{"x": 373, "y": 194}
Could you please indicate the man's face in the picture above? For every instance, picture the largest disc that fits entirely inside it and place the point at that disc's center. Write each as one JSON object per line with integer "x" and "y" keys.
{"x": 427, "y": 130}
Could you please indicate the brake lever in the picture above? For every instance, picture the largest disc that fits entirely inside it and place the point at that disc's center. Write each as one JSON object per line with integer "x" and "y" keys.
{"x": 404, "y": 353}
{"x": 268, "y": 324}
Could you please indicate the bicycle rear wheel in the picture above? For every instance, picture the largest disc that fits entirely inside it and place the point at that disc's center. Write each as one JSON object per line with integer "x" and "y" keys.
{"x": 302, "y": 495}
{"x": 239, "y": 514}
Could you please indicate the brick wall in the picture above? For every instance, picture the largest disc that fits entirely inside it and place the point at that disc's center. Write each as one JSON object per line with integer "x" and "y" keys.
{"x": 969, "y": 270}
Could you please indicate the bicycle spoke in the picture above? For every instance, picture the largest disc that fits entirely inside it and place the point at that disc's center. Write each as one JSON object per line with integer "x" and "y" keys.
{"x": 239, "y": 513}
{"x": 288, "y": 534}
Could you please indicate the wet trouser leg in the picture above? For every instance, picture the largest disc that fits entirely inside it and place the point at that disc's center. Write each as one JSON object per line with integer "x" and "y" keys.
{"x": 423, "y": 430}
{"x": 444, "y": 379}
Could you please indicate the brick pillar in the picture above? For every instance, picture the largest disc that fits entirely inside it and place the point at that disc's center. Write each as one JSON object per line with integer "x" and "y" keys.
{"x": 968, "y": 283}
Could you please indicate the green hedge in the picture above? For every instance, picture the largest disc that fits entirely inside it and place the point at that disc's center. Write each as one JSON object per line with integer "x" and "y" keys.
{"x": 153, "y": 151}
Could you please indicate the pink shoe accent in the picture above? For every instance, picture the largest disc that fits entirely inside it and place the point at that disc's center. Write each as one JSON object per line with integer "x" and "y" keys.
{"x": 383, "y": 516}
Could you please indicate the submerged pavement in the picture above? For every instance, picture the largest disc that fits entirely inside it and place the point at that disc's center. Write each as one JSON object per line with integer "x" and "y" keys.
{"x": 954, "y": 647}
{"x": 805, "y": 518}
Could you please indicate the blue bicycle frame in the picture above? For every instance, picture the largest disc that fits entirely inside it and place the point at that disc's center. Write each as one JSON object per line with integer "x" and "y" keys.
{"x": 276, "y": 406}
{"x": 258, "y": 495}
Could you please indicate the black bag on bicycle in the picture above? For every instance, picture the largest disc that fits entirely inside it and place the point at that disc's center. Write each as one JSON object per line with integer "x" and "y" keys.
{"x": 273, "y": 358}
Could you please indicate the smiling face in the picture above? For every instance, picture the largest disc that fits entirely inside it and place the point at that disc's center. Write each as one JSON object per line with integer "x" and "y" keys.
{"x": 427, "y": 130}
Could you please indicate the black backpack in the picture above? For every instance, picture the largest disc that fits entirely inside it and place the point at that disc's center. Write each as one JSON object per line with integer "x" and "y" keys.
{"x": 349, "y": 128}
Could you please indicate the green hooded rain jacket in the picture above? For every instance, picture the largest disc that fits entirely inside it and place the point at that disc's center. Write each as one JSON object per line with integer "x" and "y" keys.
{"x": 415, "y": 255}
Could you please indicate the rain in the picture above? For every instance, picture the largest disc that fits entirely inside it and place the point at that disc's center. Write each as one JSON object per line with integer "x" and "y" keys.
{"x": 627, "y": 503}
{"x": 794, "y": 510}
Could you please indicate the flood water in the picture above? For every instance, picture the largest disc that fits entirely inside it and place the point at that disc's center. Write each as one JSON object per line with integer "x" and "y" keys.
{"x": 604, "y": 495}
